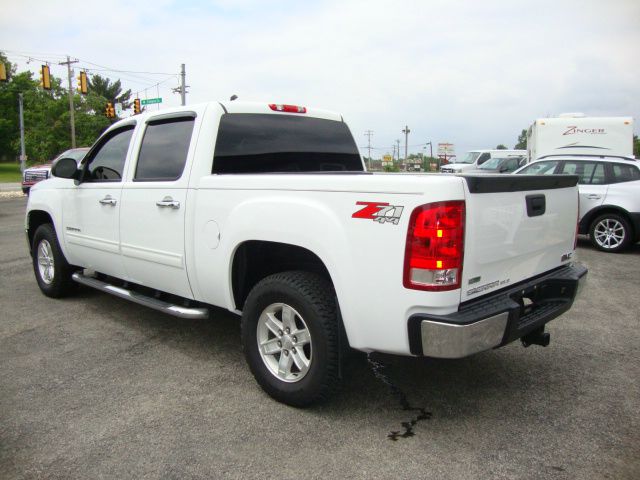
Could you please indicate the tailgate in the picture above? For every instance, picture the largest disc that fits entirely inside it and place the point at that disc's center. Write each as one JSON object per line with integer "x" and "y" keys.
{"x": 517, "y": 227}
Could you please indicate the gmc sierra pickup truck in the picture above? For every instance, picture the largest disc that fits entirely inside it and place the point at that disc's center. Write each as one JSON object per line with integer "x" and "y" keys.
{"x": 266, "y": 210}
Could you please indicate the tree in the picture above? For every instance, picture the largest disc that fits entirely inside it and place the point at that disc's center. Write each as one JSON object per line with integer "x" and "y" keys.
{"x": 501, "y": 147}
{"x": 522, "y": 141}
{"x": 110, "y": 91}
{"x": 47, "y": 116}
{"x": 636, "y": 146}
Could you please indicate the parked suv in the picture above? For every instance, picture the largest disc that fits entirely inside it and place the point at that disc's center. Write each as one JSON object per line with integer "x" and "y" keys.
{"x": 37, "y": 173}
{"x": 609, "y": 196}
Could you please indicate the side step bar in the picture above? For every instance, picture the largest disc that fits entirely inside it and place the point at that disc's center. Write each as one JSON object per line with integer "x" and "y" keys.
{"x": 166, "y": 307}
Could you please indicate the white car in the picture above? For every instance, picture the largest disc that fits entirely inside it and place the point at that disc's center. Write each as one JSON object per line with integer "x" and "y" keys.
{"x": 609, "y": 196}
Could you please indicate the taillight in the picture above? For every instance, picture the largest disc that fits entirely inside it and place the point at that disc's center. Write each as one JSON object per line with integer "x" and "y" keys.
{"x": 287, "y": 108}
{"x": 434, "y": 250}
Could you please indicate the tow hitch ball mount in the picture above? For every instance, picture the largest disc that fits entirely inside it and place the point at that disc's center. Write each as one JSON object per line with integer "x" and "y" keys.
{"x": 536, "y": 337}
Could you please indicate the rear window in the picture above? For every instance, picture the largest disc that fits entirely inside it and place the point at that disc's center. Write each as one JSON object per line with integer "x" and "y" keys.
{"x": 625, "y": 173}
{"x": 258, "y": 143}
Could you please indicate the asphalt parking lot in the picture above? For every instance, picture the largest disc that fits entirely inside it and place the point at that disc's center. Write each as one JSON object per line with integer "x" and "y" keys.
{"x": 95, "y": 387}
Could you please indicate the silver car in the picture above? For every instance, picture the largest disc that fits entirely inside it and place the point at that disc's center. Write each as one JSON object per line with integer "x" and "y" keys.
{"x": 609, "y": 196}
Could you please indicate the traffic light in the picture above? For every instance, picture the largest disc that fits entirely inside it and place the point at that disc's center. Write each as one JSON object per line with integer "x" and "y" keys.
{"x": 136, "y": 106}
{"x": 82, "y": 82}
{"x": 45, "y": 77}
{"x": 109, "y": 111}
{"x": 3, "y": 73}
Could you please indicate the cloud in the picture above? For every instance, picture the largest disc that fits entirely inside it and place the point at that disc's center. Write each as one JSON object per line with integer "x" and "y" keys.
{"x": 472, "y": 73}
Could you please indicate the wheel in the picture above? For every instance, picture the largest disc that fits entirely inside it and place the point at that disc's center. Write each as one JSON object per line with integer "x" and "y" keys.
{"x": 610, "y": 233}
{"x": 290, "y": 337}
{"x": 25, "y": 191}
{"x": 52, "y": 270}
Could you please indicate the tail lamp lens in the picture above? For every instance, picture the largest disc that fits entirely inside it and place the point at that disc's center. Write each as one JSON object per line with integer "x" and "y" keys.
{"x": 434, "y": 249}
{"x": 287, "y": 108}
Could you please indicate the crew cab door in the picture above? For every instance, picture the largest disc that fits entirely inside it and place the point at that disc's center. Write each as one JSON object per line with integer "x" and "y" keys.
{"x": 152, "y": 219}
{"x": 91, "y": 210}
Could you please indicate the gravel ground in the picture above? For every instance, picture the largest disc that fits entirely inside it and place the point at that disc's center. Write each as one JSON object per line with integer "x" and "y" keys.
{"x": 95, "y": 387}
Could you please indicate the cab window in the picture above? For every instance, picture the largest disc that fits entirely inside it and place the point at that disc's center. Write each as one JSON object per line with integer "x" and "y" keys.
{"x": 163, "y": 153}
{"x": 106, "y": 162}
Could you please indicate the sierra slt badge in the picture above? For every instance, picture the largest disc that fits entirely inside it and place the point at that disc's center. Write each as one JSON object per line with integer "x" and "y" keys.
{"x": 379, "y": 212}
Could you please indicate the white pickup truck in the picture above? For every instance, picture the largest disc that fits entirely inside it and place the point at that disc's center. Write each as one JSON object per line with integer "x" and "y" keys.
{"x": 266, "y": 210}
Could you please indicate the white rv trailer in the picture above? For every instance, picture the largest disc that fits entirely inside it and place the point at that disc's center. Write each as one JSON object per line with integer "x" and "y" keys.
{"x": 577, "y": 134}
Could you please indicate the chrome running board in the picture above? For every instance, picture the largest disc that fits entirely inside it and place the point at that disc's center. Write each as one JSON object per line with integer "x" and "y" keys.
{"x": 156, "y": 304}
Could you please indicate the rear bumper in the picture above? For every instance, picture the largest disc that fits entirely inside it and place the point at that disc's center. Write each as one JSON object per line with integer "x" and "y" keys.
{"x": 497, "y": 319}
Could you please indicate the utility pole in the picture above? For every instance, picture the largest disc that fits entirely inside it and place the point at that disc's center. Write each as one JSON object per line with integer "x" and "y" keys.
{"x": 183, "y": 87}
{"x": 369, "y": 133}
{"x": 406, "y": 132}
{"x": 398, "y": 149}
{"x": 71, "y": 112}
{"x": 23, "y": 156}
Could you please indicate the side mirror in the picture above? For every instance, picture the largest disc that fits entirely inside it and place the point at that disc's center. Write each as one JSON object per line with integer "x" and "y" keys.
{"x": 65, "y": 168}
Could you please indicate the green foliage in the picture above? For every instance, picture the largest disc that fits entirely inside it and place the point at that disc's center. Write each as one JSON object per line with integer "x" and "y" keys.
{"x": 501, "y": 147}
{"x": 391, "y": 168}
{"x": 111, "y": 92}
{"x": 47, "y": 117}
{"x": 522, "y": 141}
{"x": 636, "y": 146}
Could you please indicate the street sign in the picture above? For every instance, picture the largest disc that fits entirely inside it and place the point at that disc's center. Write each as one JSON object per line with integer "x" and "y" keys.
{"x": 150, "y": 101}
{"x": 118, "y": 107}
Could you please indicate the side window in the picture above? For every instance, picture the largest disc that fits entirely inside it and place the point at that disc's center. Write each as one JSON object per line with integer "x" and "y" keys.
{"x": 163, "y": 153}
{"x": 107, "y": 162}
{"x": 597, "y": 177}
{"x": 625, "y": 173}
{"x": 586, "y": 171}
{"x": 483, "y": 158}
{"x": 512, "y": 164}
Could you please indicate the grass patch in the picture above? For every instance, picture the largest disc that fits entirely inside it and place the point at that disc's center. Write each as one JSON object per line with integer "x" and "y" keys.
{"x": 10, "y": 173}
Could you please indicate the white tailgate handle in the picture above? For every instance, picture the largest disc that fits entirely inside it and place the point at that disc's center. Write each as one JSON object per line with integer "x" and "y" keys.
{"x": 168, "y": 202}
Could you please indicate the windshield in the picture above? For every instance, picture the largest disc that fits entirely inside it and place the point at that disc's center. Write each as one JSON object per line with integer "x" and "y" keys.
{"x": 491, "y": 164}
{"x": 470, "y": 157}
{"x": 540, "y": 168}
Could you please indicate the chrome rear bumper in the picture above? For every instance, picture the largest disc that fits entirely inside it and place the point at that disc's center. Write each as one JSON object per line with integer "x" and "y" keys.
{"x": 499, "y": 318}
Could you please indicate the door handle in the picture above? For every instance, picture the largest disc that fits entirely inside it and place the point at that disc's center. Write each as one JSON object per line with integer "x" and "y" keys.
{"x": 168, "y": 202}
{"x": 108, "y": 200}
{"x": 594, "y": 196}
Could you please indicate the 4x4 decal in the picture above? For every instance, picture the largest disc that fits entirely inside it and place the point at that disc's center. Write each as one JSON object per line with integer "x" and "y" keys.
{"x": 379, "y": 212}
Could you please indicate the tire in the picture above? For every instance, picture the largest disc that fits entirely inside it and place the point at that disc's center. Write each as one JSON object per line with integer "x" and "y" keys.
{"x": 610, "y": 233}
{"x": 52, "y": 270}
{"x": 280, "y": 310}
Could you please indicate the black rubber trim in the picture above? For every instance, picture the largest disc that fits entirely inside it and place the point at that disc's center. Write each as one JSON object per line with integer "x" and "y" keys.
{"x": 223, "y": 107}
{"x": 635, "y": 223}
{"x": 518, "y": 183}
{"x": 550, "y": 295}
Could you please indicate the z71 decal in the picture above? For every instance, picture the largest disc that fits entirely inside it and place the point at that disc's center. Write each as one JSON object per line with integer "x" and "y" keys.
{"x": 379, "y": 212}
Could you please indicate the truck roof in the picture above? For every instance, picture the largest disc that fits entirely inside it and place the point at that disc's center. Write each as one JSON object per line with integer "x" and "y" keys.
{"x": 267, "y": 108}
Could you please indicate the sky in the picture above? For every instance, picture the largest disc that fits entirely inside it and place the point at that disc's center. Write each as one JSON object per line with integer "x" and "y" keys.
{"x": 472, "y": 73}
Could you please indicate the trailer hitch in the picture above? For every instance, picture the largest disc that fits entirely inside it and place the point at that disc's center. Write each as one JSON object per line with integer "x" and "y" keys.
{"x": 536, "y": 337}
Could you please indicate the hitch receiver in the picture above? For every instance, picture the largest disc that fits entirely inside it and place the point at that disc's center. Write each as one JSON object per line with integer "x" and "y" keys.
{"x": 536, "y": 337}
